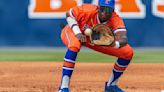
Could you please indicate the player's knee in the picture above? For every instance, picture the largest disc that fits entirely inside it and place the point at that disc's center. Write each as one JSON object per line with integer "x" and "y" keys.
{"x": 75, "y": 48}
{"x": 128, "y": 54}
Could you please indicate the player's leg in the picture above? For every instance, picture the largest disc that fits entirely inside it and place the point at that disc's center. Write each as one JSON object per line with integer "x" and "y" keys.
{"x": 119, "y": 67}
{"x": 124, "y": 55}
{"x": 73, "y": 46}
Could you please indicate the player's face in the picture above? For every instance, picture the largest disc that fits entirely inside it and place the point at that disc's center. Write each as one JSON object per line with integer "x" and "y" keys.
{"x": 105, "y": 13}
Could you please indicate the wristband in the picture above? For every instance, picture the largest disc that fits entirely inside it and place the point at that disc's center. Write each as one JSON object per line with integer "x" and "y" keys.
{"x": 74, "y": 25}
{"x": 76, "y": 29}
{"x": 117, "y": 44}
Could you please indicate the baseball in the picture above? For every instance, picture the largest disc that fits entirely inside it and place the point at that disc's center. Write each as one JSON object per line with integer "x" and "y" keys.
{"x": 88, "y": 31}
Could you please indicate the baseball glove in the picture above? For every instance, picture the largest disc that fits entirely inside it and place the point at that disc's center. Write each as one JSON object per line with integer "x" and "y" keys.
{"x": 102, "y": 35}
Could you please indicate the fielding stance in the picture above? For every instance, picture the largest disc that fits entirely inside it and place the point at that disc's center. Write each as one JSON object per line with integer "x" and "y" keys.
{"x": 80, "y": 18}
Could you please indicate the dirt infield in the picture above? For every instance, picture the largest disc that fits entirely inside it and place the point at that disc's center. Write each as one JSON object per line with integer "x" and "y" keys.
{"x": 87, "y": 77}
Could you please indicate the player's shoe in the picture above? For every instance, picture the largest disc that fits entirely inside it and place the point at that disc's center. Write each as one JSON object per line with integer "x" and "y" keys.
{"x": 114, "y": 88}
{"x": 64, "y": 90}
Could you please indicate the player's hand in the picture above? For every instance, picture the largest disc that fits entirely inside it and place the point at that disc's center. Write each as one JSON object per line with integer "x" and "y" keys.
{"x": 82, "y": 38}
{"x": 121, "y": 38}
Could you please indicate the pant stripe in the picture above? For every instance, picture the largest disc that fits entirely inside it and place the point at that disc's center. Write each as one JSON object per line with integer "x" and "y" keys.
{"x": 119, "y": 68}
{"x": 67, "y": 37}
{"x": 121, "y": 65}
{"x": 69, "y": 60}
{"x": 66, "y": 68}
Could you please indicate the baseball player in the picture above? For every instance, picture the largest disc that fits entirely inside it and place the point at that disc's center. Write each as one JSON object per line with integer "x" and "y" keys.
{"x": 86, "y": 16}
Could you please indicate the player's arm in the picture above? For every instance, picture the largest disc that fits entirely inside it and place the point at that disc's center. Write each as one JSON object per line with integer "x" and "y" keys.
{"x": 120, "y": 31}
{"x": 72, "y": 22}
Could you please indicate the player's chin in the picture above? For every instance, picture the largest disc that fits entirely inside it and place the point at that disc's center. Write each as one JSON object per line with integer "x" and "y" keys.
{"x": 104, "y": 19}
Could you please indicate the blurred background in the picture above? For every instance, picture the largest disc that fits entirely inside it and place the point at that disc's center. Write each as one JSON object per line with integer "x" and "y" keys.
{"x": 36, "y": 24}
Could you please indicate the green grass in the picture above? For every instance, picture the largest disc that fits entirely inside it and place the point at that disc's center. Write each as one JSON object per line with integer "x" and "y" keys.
{"x": 84, "y": 56}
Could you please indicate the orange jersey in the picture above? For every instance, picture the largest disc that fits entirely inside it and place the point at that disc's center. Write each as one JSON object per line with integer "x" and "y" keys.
{"x": 87, "y": 16}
